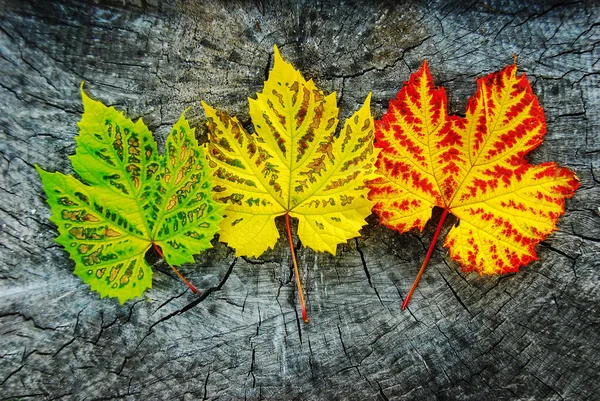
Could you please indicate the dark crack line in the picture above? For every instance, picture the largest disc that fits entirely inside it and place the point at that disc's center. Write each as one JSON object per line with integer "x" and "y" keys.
{"x": 118, "y": 372}
{"x": 386, "y": 66}
{"x": 366, "y": 269}
{"x": 456, "y": 353}
{"x": 21, "y": 396}
{"x": 131, "y": 310}
{"x": 298, "y": 323}
{"x": 104, "y": 327}
{"x": 292, "y": 279}
{"x": 267, "y": 69}
{"x": 456, "y": 295}
{"x": 420, "y": 356}
{"x": 310, "y": 358}
{"x": 30, "y": 319}
{"x": 38, "y": 98}
{"x": 500, "y": 279}
{"x": 197, "y": 301}
{"x": 344, "y": 345}
{"x": 204, "y": 387}
{"x": 252, "y": 364}
{"x": 244, "y": 304}
{"x": 169, "y": 300}
{"x": 583, "y": 236}
{"x": 251, "y": 371}
{"x": 381, "y": 393}
{"x": 364, "y": 262}
{"x": 14, "y": 372}
{"x": 65, "y": 345}
{"x": 547, "y": 245}
{"x": 547, "y": 385}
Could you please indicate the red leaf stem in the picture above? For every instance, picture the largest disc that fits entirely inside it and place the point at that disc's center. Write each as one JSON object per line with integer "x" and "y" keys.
{"x": 426, "y": 261}
{"x": 296, "y": 272}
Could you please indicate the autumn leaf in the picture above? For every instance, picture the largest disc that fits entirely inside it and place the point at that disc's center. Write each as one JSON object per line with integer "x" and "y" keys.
{"x": 293, "y": 165}
{"x": 473, "y": 168}
{"x": 130, "y": 198}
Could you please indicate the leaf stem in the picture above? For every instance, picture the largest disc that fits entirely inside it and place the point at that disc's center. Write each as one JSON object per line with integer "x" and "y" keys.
{"x": 191, "y": 287}
{"x": 427, "y": 257}
{"x": 297, "y": 273}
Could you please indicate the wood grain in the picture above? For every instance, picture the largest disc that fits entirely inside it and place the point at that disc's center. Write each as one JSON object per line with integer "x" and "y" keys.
{"x": 530, "y": 335}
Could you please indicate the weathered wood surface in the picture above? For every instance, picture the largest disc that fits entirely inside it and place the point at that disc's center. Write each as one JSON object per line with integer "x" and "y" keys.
{"x": 531, "y": 335}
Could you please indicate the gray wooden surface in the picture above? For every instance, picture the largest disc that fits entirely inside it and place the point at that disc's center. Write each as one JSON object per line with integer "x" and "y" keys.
{"x": 530, "y": 335}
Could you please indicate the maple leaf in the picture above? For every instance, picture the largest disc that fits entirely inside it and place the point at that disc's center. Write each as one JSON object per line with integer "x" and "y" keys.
{"x": 294, "y": 165}
{"x": 472, "y": 167}
{"x": 130, "y": 198}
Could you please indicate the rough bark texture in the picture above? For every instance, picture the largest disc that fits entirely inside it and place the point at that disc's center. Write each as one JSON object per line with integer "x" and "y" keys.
{"x": 530, "y": 335}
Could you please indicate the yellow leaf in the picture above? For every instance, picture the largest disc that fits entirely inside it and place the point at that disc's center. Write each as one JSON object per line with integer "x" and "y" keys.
{"x": 293, "y": 165}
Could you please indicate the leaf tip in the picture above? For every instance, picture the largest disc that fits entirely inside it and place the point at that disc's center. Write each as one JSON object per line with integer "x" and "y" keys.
{"x": 183, "y": 120}
{"x": 276, "y": 53}
{"x": 207, "y": 108}
{"x": 87, "y": 101}
{"x": 42, "y": 173}
{"x": 279, "y": 64}
{"x": 424, "y": 69}
{"x": 83, "y": 94}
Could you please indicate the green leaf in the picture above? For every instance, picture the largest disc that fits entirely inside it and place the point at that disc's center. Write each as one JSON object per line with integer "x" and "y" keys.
{"x": 129, "y": 198}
